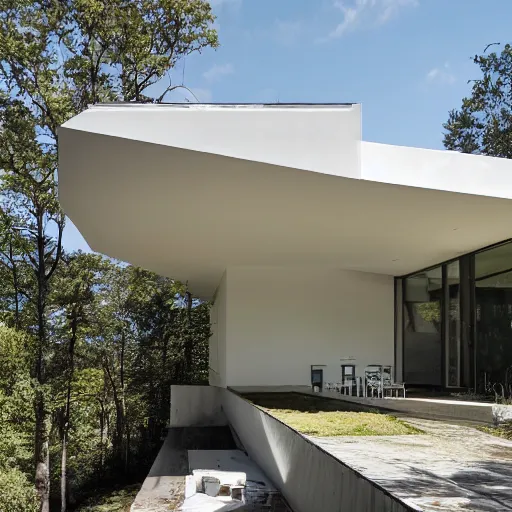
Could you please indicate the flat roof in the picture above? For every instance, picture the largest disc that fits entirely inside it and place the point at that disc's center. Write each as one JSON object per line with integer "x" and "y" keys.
{"x": 220, "y": 105}
{"x": 190, "y": 190}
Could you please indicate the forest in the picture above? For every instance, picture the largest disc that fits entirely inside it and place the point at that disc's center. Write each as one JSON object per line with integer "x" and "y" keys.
{"x": 88, "y": 346}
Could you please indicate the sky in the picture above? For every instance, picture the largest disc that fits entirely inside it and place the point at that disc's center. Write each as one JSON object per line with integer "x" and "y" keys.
{"x": 408, "y": 62}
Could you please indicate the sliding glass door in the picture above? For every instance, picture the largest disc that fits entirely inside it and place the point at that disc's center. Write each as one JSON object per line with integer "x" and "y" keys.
{"x": 422, "y": 328}
{"x": 493, "y": 297}
{"x": 454, "y": 322}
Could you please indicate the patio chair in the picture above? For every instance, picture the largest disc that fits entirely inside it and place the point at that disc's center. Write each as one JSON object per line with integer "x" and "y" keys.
{"x": 378, "y": 379}
{"x": 329, "y": 386}
{"x": 373, "y": 380}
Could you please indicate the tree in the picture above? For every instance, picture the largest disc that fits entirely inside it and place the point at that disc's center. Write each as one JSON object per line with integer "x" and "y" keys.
{"x": 483, "y": 124}
{"x": 16, "y": 422}
{"x": 30, "y": 197}
{"x": 57, "y": 56}
{"x": 72, "y": 300}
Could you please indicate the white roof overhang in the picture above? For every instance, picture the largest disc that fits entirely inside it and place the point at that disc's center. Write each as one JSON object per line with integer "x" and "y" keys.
{"x": 187, "y": 191}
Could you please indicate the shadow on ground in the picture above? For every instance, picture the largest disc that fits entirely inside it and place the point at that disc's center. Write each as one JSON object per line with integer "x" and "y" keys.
{"x": 304, "y": 403}
{"x": 483, "y": 488}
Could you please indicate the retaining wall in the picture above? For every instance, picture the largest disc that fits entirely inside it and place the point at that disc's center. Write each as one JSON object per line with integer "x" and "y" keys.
{"x": 309, "y": 478}
{"x": 196, "y": 406}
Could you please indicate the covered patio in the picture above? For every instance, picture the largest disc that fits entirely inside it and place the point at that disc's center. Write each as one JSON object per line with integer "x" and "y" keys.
{"x": 284, "y": 217}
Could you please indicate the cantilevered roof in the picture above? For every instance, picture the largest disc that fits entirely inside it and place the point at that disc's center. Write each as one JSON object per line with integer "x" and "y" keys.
{"x": 189, "y": 190}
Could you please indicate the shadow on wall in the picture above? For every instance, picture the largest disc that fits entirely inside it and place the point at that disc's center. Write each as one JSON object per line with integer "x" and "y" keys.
{"x": 303, "y": 403}
{"x": 172, "y": 460}
{"x": 309, "y": 478}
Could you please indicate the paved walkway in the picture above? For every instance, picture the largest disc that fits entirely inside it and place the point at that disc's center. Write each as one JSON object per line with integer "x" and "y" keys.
{"x": 451, "y": 467}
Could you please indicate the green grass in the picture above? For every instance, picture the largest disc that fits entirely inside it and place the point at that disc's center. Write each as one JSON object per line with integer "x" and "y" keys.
{"x": 327, "y": 424}
{"x": 325, "y": 418}
{"x": 504, "y": 431}
{"x": 118, "y": 500}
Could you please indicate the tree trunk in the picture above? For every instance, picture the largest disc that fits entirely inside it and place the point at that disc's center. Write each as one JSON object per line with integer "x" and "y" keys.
{"x": 63, "y": 473}
{"x": 42, "y": 442}
{"x": 65, "y": 430}
{"x": 102, "y": 433}
{"x": 120, "y": 418}
{"x": 16, "y": 289}
{"x": 42, "y": 477}
{"x": 41, "y": 453}
{"x": 126, "y": 437}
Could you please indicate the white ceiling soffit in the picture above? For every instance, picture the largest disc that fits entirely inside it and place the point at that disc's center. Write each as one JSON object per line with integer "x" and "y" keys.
{"x": 167, "y": 194}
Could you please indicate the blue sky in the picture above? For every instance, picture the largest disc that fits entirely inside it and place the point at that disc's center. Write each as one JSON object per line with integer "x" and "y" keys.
{"x": 407, "y": 61}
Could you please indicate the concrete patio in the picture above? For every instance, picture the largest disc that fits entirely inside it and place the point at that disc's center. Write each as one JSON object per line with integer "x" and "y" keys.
{"x": 451, "y": 467}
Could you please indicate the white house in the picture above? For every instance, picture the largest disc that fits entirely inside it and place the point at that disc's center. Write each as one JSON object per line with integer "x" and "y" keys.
{"x": 310, "y": 241}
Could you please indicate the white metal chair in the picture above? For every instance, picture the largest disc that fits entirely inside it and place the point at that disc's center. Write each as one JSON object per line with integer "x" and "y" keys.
{"x": 379, "y": 379}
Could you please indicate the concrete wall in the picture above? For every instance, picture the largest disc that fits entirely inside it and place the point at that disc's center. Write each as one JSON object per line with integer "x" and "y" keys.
{"x": 196, "y": 406}
{"x": 310, "y": 479}
{"x": 280, "y": 321}
{"x": 217, "y": 348}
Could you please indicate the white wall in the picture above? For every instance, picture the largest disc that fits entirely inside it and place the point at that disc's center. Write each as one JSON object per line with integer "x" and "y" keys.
{"x": 217, "y": 358}
{"x": 282, "y": 320}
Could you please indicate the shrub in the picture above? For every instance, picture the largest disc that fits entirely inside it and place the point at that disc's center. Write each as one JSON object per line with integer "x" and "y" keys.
{"x": 17, "y": 493}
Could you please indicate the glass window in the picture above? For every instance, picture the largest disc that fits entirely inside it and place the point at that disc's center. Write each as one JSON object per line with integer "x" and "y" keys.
{"x": 493, "y": 261}
{"x": 493, "y": 301}
{"x": 423, "y": 327}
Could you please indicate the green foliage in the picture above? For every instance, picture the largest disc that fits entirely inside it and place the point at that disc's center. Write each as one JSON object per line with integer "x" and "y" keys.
{"x": 430, "y": 312}
{"x": 17, "y": 494}
{"x": 88, "y": 381}
{"x": 16, "y": 397}
{"x": 483, "y": 124}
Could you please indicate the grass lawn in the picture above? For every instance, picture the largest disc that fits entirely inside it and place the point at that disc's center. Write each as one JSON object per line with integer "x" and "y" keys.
{"x": 503, "y": 431}
{"x": 118, "y": 500}
{"x": 324, "y": 418}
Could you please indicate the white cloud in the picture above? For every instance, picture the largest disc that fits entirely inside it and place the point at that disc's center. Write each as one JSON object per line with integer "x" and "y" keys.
{"x": 360, "y": 13}
{"x": 216, "y": 72}
{"x": 442, "y": 75}
{"x": 288, "y": 32}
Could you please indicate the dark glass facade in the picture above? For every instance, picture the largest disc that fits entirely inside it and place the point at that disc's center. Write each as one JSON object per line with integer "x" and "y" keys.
{"x": 454, "y": 322}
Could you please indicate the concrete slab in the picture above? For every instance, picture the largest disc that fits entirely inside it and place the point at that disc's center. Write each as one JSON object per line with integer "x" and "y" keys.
{"x": 164, "y": 487}
{"x": 451, "y": 467}
{"x": 229, "y": 460}
{"x": 260, "y": 494}
{"x": 204, "y": 503}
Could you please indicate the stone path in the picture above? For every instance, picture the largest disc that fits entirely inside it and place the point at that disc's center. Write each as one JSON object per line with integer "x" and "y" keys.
{"x": 451, "y": 467}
